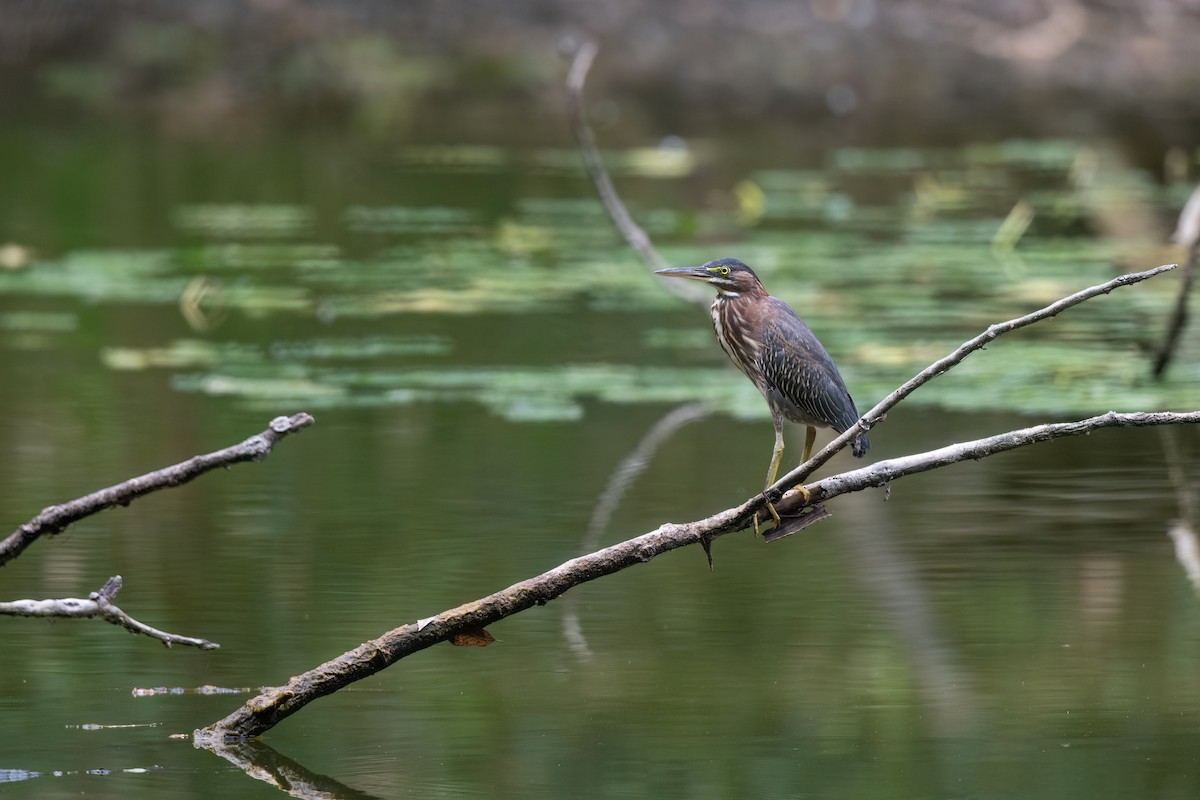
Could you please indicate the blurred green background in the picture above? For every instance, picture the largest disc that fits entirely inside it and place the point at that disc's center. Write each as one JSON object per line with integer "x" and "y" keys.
{"x": 218, "y": 212}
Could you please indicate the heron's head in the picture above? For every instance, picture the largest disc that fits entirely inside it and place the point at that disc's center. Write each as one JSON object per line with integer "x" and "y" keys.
{"x": 728, "y": 276}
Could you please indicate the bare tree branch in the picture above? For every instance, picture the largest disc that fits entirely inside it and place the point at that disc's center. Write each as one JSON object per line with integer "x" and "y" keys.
{"x": 55, "y": 519}
{"x": 275, "y": 704}
{"x": 98, "y": 604}
{"x": 943, "y": 364}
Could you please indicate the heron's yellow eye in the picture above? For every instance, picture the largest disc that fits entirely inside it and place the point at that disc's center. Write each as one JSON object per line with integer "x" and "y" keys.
{"x": 724, "y": 270}
{"x": 719, "y": 270}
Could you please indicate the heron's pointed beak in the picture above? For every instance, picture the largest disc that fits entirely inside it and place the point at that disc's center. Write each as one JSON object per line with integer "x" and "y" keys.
{"x": 695, "y": 273}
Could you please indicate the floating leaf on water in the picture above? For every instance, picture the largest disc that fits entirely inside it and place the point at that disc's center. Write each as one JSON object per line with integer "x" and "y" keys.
{"x": 516, "y": 239}
{"x": 411, "y": 219}
{"x": 456, "y": 157}
{"x": 657, "y": 162}
{"x": 886, "y": 253}
{"x": 231, "y": 220}
{"x": 670, "y": 160}
{"x": 100, "y": 276}
{"x": 39, "y": 321}
{"x": 898, "y": 159}
{"x": 238, "y": 256}
{"x": 180, "y": 354}
{"x": 296, "y": 389}
{"x": 14, "y": 256}
{"x": 364, "y": 348}
{"x": 1042, "y": 154}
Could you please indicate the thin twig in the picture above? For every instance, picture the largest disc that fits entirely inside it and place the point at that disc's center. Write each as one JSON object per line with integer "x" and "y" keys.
{"x": 98, "y": 604}
{"x": 55, "y": 519}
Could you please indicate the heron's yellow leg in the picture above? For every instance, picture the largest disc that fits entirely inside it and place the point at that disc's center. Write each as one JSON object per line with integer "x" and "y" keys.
{"x": 810, "y": 436}
{"x": 776, "y": 457}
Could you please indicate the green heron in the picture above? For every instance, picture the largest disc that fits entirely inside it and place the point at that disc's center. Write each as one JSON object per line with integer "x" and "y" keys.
{"x": 769, "y": 342}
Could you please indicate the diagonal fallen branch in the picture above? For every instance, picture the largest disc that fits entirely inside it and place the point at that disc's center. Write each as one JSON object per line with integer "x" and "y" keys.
{"x": 275, "y": 704}
{"x": 98, "y": 604}
{"x": 55, "y": 519}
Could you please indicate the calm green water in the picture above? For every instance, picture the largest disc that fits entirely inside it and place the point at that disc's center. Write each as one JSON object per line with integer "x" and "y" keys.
{"x": 481, "y": 354}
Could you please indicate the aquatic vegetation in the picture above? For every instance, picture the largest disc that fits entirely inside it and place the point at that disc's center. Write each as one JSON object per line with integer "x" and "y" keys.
{"x": 892, "y": 256}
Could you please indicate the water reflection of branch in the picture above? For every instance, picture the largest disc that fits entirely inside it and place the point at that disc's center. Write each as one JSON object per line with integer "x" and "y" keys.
{"x": 263, "y": 763}
{"x": 55, "y": 519}
{"x": 1182, "y": 530}
{"x": 1187, "y": 550}
{"x": 98, "y": 604}
{"x": 629, "y": 469}
{"x": 1187, "y": 234}
{"x": 888, "y": 575}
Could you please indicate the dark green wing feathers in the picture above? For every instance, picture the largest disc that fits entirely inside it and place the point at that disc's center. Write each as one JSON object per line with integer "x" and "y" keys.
{"x": 808, "y": 390}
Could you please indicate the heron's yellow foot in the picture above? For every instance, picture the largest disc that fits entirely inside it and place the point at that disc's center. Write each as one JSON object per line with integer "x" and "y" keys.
{"x": 774, "y": 516}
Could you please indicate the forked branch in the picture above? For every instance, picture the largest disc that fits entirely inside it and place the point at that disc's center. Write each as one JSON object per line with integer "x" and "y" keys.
{"x": 98, "y": 604}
